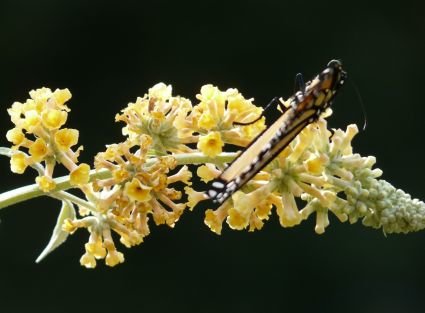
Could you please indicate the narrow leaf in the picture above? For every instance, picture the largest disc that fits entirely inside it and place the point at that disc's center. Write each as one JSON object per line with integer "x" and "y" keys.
{"x": 58, "y": 236}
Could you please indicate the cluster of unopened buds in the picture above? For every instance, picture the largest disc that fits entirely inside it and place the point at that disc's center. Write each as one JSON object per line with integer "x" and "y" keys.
{"x": 167, "y": 140}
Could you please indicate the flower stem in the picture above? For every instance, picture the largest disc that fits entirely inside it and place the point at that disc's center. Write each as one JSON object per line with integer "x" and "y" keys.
{"x": 63, "y": 195}
{"x": 32, "y": 191}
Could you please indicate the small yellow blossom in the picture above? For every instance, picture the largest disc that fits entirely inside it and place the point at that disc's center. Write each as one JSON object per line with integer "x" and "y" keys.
{"x": 15, "y": 136}
{"x": 255, "y": 223}
{"x": 286, "y": 209}
{"x": 45, "y": 183}
{"x": 137, "y": 191}
{"x": 15, "y": 112}
{"x": 38, "y": 150}
{"x": 263, "y": 209}
{"x": 80, "y": 175}
{"x": 53, "y": 119}
{"x": 120, "y": 175}
{"x": 206, "y": 121}
{"x": 214, "y": 219}
{"x": 160, "y": 91}
{"x": 69, "y": 226}
{"x": 66, "y": 138}
{"x": 135, "y": 237}
{"x": 61, "y": 96}
{"x": 96, "y": 248}
{"x": 88, "y": 260}
{"x": 211, "y": 144}
{"x": 183, "y": 175}
{"x": 207, "y": 172}
{"x": 41, "y": 95}
{"x": 243, "y": 109}
{"x": 155, "y": 115}
{"x": 31, "y": 121}
{"x": 194, "y": 197}
{"x": 322, "y": 221}
{"x": 316, "y": 164}
{"x": 244, "y": 204}
{"x": 251, "y": 131}
{"x": 18, "y": 163}
{"x": 238, "y": 219}
{"x": 114, "y": 257}
{"x": 213, "y": 99}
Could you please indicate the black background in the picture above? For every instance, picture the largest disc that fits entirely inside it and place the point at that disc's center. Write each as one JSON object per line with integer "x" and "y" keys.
{"x": 108, "y": 53}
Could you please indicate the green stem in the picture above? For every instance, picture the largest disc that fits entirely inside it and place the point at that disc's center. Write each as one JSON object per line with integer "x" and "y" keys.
{"x": 62, "y": 183}
{"x": 63, "y": 195}
{"x": 32, "y": 191}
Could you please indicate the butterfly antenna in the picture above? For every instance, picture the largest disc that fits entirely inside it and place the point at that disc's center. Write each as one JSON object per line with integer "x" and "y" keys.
{"x": 359, "y": 97}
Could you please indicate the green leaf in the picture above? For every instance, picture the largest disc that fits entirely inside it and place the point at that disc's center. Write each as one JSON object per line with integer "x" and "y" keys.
{"x": 58, "y": 236}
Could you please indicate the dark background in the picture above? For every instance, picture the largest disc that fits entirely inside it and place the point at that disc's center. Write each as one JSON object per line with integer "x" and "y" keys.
{"x": 108, "y": 53}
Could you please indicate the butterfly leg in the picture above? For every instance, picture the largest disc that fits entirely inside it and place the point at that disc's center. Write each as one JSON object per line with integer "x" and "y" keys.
{"x": 299, "y": 83}
{"x": 273, "y": 102}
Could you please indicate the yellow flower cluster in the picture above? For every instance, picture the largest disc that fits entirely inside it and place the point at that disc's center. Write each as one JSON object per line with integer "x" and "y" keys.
{"x": 139, "y": 187}
{"x": 319, "y": 168}
{"x": 216, "y": 120}
{"x": 317, "y": 171}
{"x": 142, "y": 169}
{"x": 155, "y": 115}
{"x": 38, "y": 137}
{"x": 174, "y": 124}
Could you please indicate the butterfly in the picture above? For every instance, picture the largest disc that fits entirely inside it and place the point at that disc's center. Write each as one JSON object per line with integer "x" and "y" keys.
{"x": 300, "y": 110}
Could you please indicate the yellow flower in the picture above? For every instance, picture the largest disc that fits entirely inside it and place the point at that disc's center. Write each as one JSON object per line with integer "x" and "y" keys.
{"x": 158, "y": 116}
{"x": 244, "y": 205}
{"x": 263, "y": 209}
{"x": 137, "y": 191}
{"x": 61, "y": 96}
{"x": 114, "y": 257}
{"x": 286, "y": 209}
{"x": 15, "y": 112}
{"x": 316, "y": 164}
{"x": 154, "y": 115}
{"x": 120, "y": 175}
{"x": 66, "y": 138}
{"x": 322, "y": 221}
{"x": 38, "y": 150}
{"x": 53, "y": 119}
{"x": 41, "y": 94}
{"x": 32, "y": 120}
{"x": 207, "y": 172}
{"x": 96, "y": 248}
{"x": 194, "y": 197}
{"x": 213, "y": 99}
{"x": 237, "y": 102}
{"x": 183, "y": 175}
{"x": 214, "y": 219}
{"x": 238, "y": 219}
{"x": 80, "y": 175}
{"x": 206, "y": 121}
{"x": 15, "y": 136}
{"x": 69, "y": 226}
{"x": 160, "y": 91}
{"x": 211, "y": 144}
{"x": 45, "y": 183}
{"x": 252, "y": 130}
{"x": 243, "y": 109}
{"x": 18, "y": 163}
{"x": 88, "y": 260}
